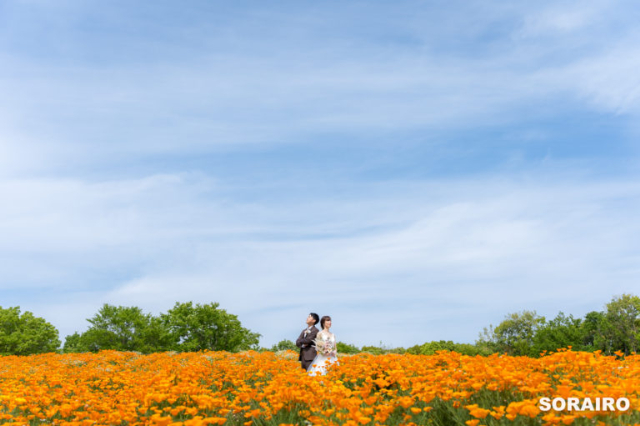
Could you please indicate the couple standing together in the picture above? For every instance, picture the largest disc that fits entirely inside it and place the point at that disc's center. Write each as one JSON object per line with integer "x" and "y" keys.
{"x": 317, "y": 348}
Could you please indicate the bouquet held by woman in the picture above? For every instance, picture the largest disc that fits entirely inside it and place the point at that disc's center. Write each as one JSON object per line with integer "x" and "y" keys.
{"x": 326, "y": 349}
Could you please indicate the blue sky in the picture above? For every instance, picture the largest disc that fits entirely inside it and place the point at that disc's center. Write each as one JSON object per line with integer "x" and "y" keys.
{"x": 417, "y": 170}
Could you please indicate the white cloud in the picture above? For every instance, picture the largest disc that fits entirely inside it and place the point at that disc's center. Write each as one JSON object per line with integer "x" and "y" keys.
{"x": 78, "y": 113}
{"x": 447, "y": 257}
{"x": 560, "y": 19}
{"x": 402, "y": 262}
{"x": 610, "y": 82}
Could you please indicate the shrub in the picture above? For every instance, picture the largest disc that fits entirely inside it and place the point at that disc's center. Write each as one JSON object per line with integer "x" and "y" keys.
{"x": 25, "y": 334}
{"x": 284, "y": 345}
{"x": 346, "y": 348}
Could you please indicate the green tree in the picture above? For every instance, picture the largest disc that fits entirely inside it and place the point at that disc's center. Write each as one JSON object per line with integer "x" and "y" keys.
{"x": 74, "y": 344}
{"x": 284, "y": 345}
{"x": 121, "y": 328}
{"x": 373, "y": 350}
{"x": 345, "y": 348}
{"x": 25, "y": 334}
{"x": 487, "y": 342}
{"x": 593, "y": 326}
{"x": 383, "y": 349}
{"x": 621, "y": 325}
{"x": 430, "y": 348}
{"x": 561, "y": 332}
{"x": 515, "y": 334}
{"x": 200, "y": 327}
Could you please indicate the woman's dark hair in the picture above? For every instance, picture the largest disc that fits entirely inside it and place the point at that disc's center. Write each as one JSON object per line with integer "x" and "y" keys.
{"x": 323, "y": 319}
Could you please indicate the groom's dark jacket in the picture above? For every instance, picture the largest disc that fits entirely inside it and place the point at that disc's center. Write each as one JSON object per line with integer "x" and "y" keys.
{"x": 307, "y": 347}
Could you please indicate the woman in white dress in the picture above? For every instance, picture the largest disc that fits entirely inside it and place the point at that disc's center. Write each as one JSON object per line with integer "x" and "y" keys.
{"x": 325, "y": 347}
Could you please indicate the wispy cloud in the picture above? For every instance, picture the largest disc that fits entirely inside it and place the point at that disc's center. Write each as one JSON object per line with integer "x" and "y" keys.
{"x": 458, "y": 252}
{"x": 238, "y": 88}
{"x": 419, "y": 169}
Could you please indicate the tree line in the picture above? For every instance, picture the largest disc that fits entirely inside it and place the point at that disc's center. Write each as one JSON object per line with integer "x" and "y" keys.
{"x": 616, "y": 329}
{"x": 188, "y": 327}
{"x": 184, "y": 328}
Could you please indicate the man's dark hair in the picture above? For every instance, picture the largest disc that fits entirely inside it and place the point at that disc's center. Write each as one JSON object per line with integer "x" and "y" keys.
{"x": 324, "y": 318}
{"x": 315, "y": 317}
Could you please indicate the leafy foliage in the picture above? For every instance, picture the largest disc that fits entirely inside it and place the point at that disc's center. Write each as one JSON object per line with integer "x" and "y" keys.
{"x": 592, "y": 328}
{"x": 74, "y": 344}
{"x": 184, "y": 328}
{"x": 561, "y": 332}
{"x": 615, "y": 329}
{"x": 200, "y": 327}
{"x": 345, "y": 348}
{"x": 25, "y": 334}
{"x": 120, "y": 328}
{"x": 284, "y": 345}
{"x": 188, "y": 327}
{"x": 373, "y": 350}
{"x": 620, "y": 328}
{"x": 515, "y": 334}
{"x": 382, "y": 350}
{"x": 431, "y": 348}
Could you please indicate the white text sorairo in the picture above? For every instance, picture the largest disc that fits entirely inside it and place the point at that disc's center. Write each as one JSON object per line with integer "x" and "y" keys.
{"x": 586, "y": 404}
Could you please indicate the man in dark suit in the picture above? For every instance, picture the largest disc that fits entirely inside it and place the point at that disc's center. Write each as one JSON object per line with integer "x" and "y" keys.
{"x": 305, "y": 341}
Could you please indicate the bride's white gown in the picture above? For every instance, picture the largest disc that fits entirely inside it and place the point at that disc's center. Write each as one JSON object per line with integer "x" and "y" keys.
{"x": 320, "y": 362}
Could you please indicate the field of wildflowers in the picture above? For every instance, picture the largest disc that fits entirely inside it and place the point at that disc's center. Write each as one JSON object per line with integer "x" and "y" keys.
{"x": 252, "y": 388}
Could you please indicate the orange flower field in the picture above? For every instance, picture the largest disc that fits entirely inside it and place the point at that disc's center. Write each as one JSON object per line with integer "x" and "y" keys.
{"x": 252, "y": 388}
